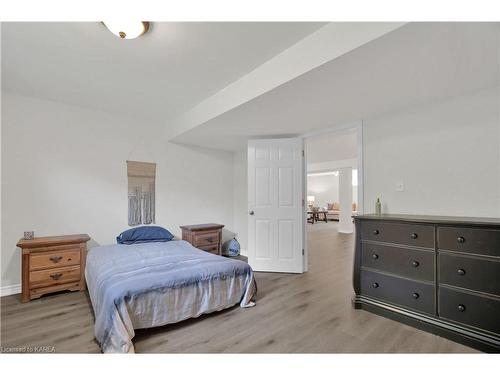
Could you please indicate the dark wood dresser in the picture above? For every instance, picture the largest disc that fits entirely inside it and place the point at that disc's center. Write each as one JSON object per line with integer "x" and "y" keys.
{"x": 207, "y": 237}
{"x": 52, "y": 264}
{"x": 440, "y": 274}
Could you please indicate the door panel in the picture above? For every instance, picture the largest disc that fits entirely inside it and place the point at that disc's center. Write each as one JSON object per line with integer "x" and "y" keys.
{"x": 262, "y": 187}
{"x": 275, "y": 194}
{"x": 263, "y": 239}
{"x": 285, "y": 183}
{"x": 285, "y": 239}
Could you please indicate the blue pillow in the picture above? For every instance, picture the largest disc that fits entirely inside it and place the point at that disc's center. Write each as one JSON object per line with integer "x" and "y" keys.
{"x": 144, "y": 234}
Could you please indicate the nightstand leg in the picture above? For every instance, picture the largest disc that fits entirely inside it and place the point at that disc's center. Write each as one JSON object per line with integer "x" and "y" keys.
{"x": 25, "y": 296}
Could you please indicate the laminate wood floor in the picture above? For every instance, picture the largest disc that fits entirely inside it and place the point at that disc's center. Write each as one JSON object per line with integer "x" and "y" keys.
{"x": 307, "y": 313}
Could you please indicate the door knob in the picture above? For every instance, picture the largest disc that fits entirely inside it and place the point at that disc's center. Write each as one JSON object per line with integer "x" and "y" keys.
{"x": 251, "y": 212}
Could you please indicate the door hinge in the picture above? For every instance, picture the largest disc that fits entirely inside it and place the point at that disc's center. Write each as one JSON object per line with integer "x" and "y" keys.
{"x": 303, "y": 154}
{"x": 303, "y": 252}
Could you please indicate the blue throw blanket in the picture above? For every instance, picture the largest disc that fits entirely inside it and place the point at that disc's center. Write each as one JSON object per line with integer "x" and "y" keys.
{"x": 153, "y": 284}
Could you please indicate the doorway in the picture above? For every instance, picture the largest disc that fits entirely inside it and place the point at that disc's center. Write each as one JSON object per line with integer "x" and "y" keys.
{"x": 333, "y": 182}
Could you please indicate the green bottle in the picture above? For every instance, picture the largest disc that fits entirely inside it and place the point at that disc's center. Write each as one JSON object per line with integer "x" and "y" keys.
{"x": 378, "y": 207}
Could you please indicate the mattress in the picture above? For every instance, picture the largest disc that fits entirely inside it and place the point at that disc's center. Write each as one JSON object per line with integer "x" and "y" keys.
{"x": 153, "y": 284}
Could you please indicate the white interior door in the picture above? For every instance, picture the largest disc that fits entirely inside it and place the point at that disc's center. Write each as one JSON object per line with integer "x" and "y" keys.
{"x": 275, "y": 205}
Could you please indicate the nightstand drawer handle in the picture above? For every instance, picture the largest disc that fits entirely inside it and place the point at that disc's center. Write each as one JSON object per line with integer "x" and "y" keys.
{"x": 56, "y": 276}
{"x": 375, "y": 285}
{"x": 210, "y": 239}
{"x": 375, "y": 256}
{"x": 461, "y": 271}
{"x": 460, "y": 239}
{"x": 376, "y": 231}
{"x": 414, "y": 236}
{"x": 415, "y": 263}
{"x": 56, "y": 259}
{"x": 461, "y": 308}
{"x": 415, "y": 295}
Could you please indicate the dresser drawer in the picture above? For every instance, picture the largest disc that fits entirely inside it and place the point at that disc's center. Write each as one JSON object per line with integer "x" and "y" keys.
{"x": 54, "y": 276}
{"x": 214, "y": 249}
{"x": 470, "y": 309}
{"x": 206, "y": 239}
{"x": 471, "y": 273}
{"x": 407, "y": 293}
{"x": 470, "y": 240}
{"x": 54, "y": 259}
{"x": 415, "y": 264}
{"x": 400, "y": 233}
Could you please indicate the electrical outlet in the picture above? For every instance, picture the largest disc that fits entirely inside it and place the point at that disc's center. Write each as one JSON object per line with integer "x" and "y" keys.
{"x": 400, "y": 186}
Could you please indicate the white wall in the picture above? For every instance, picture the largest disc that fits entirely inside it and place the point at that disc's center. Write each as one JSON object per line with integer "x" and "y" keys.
{"x": 333, "y": 147}
{"x": 325, "y": 189}
{"x": 240, "y": 199}
{"x": 446, "y": 154}
{"x": 64, "y": 171}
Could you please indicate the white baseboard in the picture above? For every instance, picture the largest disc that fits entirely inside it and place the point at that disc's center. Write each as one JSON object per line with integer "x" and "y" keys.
{"x": 8, "y": 290}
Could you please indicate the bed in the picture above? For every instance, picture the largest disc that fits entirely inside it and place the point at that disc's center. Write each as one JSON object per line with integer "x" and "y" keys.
{"x": 152, "y": 284}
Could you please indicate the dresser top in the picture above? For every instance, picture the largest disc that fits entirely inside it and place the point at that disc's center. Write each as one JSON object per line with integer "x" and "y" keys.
{"x": 52, "y": 241}
{"x": 431, "y": 219}
{"x": 196, "y": 227}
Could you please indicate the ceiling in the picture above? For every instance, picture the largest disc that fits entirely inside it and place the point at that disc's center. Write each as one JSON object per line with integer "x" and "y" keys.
{"x": 415, "y": 64}
{"x": 168, "y": 70}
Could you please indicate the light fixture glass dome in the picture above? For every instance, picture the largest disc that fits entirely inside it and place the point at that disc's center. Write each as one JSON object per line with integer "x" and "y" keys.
{"x": 127, "y": 29}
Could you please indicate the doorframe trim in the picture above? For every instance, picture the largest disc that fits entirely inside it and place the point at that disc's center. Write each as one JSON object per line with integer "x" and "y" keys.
{"x": 335, "y": 130}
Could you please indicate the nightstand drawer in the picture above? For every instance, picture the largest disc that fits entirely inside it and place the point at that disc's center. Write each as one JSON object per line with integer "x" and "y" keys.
{"x": 206, "y": 239}
{"x": 403, "y": 292}
{"x": 406, "y": 234}
{"x": 54, "y": 276}
{"x": 470, "y": 240}
{"x": 214, "y": 249}
{"x": 470, "y": 309}
{"x": 415, "y": 264}
{"x": 39, "y": 261}
{"x": 470, "y": 273}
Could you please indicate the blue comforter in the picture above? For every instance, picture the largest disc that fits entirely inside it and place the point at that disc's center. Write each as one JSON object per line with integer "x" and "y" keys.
{"x": 153, "y": 284}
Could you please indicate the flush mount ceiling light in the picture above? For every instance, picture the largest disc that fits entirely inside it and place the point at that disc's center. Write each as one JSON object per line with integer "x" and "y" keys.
{"x": 128, "y": 29}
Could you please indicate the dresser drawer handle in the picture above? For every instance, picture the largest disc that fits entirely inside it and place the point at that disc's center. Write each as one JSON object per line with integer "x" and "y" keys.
{"x": 460, "y": 239}
{"x": 415, "y": 295}
{"x": 376, "y": 231}
{"x": 415, "y": 263}
{"x": 461, "y": 271}
{"x": 414, "y": 236}
{"x": 375, "y": 285}
{"x": 56, "y": 259}
{"x": 461, "y": 308}
{"x": 375, "y": 256}
{"x": 56, "y": 276}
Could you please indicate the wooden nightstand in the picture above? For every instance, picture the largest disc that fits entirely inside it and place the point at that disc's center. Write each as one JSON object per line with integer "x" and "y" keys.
{"x": 51, "y": 264}
{"x": 207, "y": 237}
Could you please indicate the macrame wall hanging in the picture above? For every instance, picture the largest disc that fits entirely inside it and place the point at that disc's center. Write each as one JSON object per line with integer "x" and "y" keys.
{"x": 141, "y": 192}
